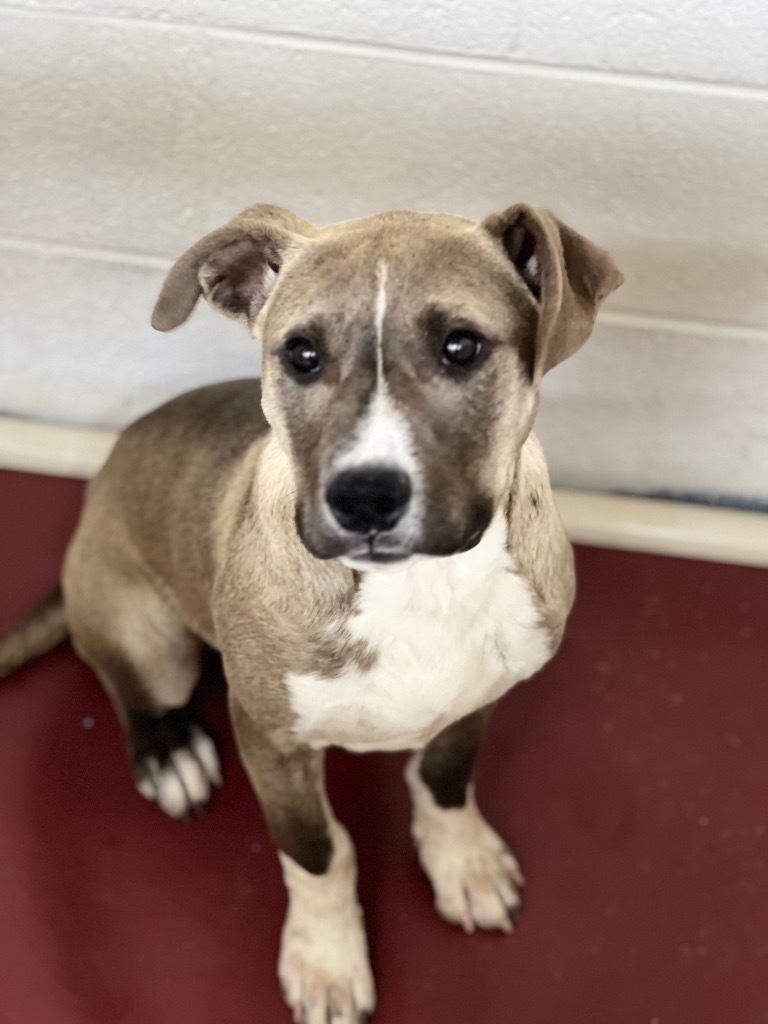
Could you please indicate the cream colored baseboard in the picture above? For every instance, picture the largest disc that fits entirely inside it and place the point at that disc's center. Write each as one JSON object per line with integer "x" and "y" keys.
{"x": 665, "y": 527}
{"x": 58, "y": 449}
{"x": 605, "y": 520}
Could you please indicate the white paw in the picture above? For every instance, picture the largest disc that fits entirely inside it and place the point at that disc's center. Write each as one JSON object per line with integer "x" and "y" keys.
{"x": 325, "y": 972}
{"x": 183, "y": 784}
{"x": 323, "y": 966}
{"x": 475, "y": 878}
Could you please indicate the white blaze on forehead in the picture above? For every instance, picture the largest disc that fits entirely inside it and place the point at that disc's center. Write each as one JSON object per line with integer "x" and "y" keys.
{"x": 383, "y": 435}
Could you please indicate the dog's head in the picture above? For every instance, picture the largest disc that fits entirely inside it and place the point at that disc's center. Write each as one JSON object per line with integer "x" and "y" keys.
{"x": 402, "y": 359}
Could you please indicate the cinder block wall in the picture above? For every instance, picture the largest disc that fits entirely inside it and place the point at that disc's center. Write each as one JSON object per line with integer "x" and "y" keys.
{"x": 129, "y": 129}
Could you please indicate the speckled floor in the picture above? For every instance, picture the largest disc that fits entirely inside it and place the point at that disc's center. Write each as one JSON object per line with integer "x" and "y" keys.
{"x": 631, "y": 778}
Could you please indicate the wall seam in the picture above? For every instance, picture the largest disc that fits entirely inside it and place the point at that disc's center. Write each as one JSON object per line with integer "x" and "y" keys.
{"x": 452, "y": 60}
{"x": 608, "y": 317}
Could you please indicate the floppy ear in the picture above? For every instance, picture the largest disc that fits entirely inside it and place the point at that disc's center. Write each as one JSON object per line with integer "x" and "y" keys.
{"x": 233, "y": 267}
{"x": 567, "y": 276}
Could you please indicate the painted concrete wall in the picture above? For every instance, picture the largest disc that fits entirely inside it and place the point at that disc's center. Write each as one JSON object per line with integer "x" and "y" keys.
{"x": 129, "y": 129}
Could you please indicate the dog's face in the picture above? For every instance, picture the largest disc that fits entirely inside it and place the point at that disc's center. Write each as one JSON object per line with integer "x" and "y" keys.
{"x": 402, "y": 356}
{"x": 398, "y": 368}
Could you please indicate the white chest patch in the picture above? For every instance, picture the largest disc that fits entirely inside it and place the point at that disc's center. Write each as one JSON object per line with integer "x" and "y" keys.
{"x": 450, "y": 636}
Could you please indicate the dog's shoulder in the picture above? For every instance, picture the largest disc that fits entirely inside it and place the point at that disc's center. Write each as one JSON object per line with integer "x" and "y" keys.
{"x": 536, "y": 538}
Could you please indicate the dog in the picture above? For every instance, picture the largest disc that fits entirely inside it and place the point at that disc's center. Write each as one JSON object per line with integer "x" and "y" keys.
{"x": 368, "y": 537}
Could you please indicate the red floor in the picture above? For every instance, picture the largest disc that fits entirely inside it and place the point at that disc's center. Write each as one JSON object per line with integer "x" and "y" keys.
{"x": 631, "y": 778}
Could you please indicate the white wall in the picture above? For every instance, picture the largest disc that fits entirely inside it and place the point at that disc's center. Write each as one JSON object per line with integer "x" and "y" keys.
{"x": 129, "y": 129}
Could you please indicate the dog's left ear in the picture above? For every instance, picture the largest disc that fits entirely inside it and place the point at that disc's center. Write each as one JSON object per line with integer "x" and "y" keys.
{"x": 566, "y": 274}
{"x": 234, "y": 267}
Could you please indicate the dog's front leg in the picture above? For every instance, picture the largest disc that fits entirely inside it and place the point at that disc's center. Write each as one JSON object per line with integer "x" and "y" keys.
{"x": 475, "y": 878}
{"x": 323, "y": 966}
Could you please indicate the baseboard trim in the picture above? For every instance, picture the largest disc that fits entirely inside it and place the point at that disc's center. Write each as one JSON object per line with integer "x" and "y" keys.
{"x": 675, "y": 528}
{"x": 56, "y": 449}
{"x": 604, "y": 520}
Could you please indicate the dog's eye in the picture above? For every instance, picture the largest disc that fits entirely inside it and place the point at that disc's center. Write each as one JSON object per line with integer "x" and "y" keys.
{"x": 461, "y": 348}
{"x": 301, "y": 356}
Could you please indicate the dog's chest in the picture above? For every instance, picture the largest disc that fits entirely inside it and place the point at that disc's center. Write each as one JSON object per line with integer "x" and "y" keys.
{"x": 449, "y": 636}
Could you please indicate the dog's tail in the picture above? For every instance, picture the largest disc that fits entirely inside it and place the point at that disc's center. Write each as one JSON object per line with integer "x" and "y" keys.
{"x": 41, "y": 631}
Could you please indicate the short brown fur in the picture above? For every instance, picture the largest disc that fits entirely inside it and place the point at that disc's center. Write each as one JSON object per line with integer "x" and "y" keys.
{"x": 189, "y": 533}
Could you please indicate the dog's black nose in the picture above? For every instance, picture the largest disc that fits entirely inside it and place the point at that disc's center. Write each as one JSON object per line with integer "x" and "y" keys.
{"x": 368, "y": 500}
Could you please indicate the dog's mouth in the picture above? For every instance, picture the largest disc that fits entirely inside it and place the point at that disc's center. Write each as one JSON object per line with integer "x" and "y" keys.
{"x": 381, "y": 552}
{"x": 377, "y": 550}
{"x": 383, "y": 549}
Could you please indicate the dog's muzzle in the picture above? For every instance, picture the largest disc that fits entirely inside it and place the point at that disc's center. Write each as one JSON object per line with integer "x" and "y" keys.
{"x": 368, "y": 500}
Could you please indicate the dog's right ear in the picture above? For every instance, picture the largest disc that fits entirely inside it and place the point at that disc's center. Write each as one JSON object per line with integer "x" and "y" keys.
{"x": 233, "y": 267}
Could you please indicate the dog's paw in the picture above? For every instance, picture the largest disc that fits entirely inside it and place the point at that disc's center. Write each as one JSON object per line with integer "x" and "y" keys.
{"x": 175, "y": 764}
{"x": 475, "y": 878}
{"x": 324, "y": 971}
{"x": 323, "y": 965}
